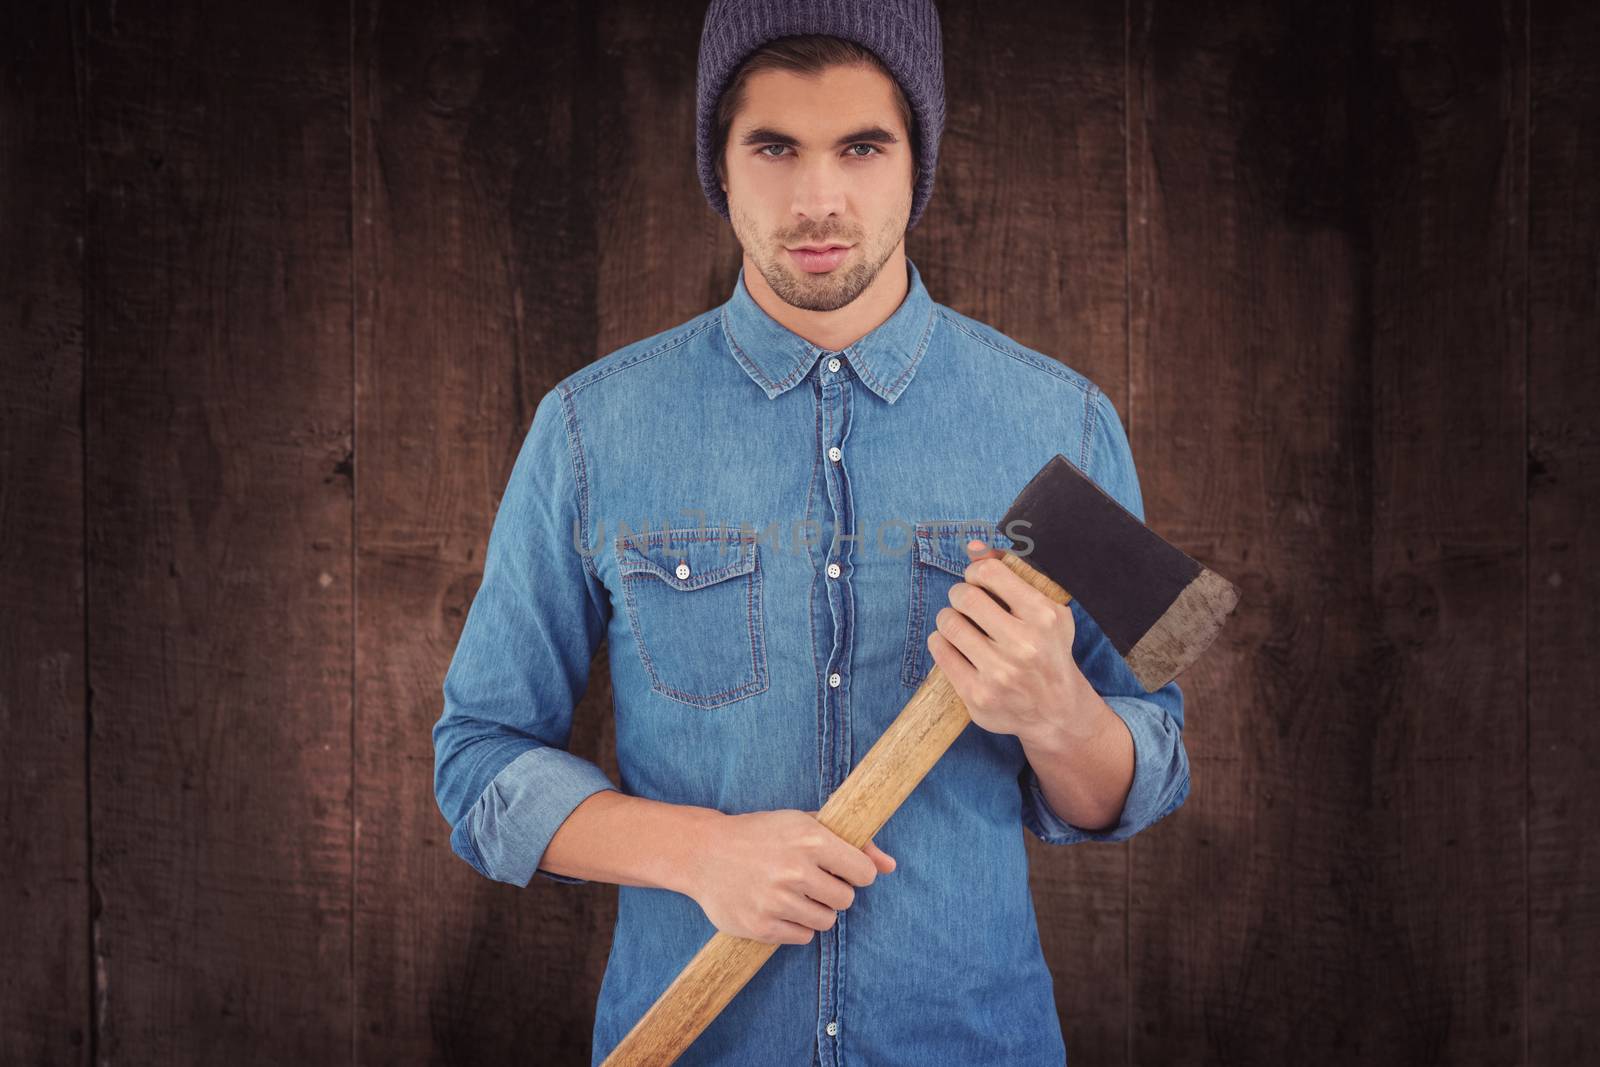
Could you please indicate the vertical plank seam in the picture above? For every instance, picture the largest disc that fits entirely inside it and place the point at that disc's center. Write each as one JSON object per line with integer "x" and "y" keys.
{"x": 1128, "y": 196}
{"x": 1527, "y": 524}
{"x": 80, "y": 52}
{"x": 355, "y": 563}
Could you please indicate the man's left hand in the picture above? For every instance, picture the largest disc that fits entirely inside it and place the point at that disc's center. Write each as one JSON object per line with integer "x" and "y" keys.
{"x": 1016, "y": 674}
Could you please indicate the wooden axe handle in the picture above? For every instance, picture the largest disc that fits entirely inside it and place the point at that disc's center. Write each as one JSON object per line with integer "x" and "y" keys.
{"x": 928, "y": 725}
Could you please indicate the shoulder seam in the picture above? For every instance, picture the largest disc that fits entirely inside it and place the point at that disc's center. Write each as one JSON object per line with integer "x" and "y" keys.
{"x": 1091, "y": 420}
{"x": 572, "y": 388}
{"x": 580, "y": 476}
{"x": 1049, "y": 366}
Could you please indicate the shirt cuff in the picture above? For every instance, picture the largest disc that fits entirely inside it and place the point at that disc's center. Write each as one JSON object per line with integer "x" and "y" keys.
{"x": 520, "y": 810}
{"x": 1160, "y": 779}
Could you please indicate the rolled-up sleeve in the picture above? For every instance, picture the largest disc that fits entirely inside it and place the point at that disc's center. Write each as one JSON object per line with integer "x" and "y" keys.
{"x": 503, "y": 778}
{"x": 1155, "y": 720}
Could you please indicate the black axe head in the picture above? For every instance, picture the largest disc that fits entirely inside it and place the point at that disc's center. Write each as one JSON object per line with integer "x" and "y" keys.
{"x": 1158, "y": 607}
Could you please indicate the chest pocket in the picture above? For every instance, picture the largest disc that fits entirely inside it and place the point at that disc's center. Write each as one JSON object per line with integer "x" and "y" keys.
{"x": 694, "y": 602}
{"x": 938, "y": 561}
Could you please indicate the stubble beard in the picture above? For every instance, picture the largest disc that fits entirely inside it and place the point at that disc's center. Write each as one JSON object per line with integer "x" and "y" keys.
{"x": 814, "y": 292}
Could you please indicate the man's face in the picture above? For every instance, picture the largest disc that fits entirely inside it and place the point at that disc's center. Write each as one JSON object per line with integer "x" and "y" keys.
{"x": 805, "y": 168}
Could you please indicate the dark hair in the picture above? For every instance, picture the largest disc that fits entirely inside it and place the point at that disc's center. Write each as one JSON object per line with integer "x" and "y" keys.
{"x": 810, "y": 53}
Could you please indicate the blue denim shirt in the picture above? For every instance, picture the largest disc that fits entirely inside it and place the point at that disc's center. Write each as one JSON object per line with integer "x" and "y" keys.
{"x": 763, "y": 531}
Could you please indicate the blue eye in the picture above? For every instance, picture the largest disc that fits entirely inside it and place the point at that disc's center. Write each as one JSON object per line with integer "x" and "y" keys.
{"x": 762, "y": 151}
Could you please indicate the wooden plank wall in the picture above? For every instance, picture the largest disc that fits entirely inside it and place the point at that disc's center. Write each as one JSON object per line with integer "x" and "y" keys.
{"x": 281, "y": 284}
{"x": 45, "y": 892}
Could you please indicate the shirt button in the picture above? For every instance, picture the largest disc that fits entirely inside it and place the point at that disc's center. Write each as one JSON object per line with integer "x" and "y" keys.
{"x": 833, "y": 1029}
{"x": 834, "y": 453}
{"x": 833, "y": 680}
{"x": 833, "y": 570}
{"x": 683, "y": 570}
{"x": 833, "y": 364}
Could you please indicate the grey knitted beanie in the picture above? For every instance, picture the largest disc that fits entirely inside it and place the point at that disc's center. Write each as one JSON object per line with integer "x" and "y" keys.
{"x": 903, "y": 34}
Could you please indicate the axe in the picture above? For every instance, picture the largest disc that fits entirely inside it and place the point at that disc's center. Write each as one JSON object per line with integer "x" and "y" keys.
{"x": 1159, "y": 608}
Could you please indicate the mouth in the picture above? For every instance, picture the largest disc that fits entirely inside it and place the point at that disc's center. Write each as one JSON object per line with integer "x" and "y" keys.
{"x": 821, "y": 258}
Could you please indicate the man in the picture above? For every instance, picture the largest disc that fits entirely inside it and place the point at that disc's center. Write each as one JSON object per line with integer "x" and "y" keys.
{"x": 775, "y": 514}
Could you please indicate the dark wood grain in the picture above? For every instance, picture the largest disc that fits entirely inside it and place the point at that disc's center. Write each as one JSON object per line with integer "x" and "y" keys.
{"x": 1449, "y": 554}
{"x": 475, "y": 264}
{"x": 663, "y": 255}
{"x": 1249, "y": 416}
{"x": 45, "y": 979}
{"x": 1563, "y": 534}
{"x": 1025, "y": 231}
{"x": 219, "y": 530}
{"x": 281, "y": 285}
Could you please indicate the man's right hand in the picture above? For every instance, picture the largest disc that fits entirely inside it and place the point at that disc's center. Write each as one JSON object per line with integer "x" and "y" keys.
{"x": 780, "y": 876}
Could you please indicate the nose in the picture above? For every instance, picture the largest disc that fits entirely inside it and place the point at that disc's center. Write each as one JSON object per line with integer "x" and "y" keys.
{"x": 819, "y": 189}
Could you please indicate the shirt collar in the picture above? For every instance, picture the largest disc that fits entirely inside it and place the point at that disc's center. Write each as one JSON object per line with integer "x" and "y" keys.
{"x": 777, "y": 358}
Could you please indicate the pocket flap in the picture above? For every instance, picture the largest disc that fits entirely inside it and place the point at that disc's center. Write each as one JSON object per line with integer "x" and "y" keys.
{"x": 944, "y": 544}
{"x": 687, "y": 557}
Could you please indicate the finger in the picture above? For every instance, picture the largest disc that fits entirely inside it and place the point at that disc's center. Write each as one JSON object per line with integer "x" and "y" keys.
{"x": 851, "y": 864}
{"x": 823, "y": 888}
{"x": 792, "y": 933}
{"x": 889, "y": 863}
{"x": 866, "y": 850}
{"x": 979, "y": 604}
{"x": 818, "y": 912}
{"x": 957, "y": 667}
{"x": 1024, "y": 600}
{"x": 979, "y": 550}
{"x": 977, "y": 646}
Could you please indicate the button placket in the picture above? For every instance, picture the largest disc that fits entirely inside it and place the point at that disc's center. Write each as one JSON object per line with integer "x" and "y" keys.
{"x": 834, "y": 394}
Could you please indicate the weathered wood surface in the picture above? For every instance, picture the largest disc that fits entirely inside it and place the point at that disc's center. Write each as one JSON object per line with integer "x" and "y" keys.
{"x": 217, "y": 408}
{"x": 277, "y": 298}
{"x": 45, "y": 903}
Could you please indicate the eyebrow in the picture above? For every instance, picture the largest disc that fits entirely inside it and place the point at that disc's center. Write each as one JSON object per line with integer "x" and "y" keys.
{"x": 768, "y": 135}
